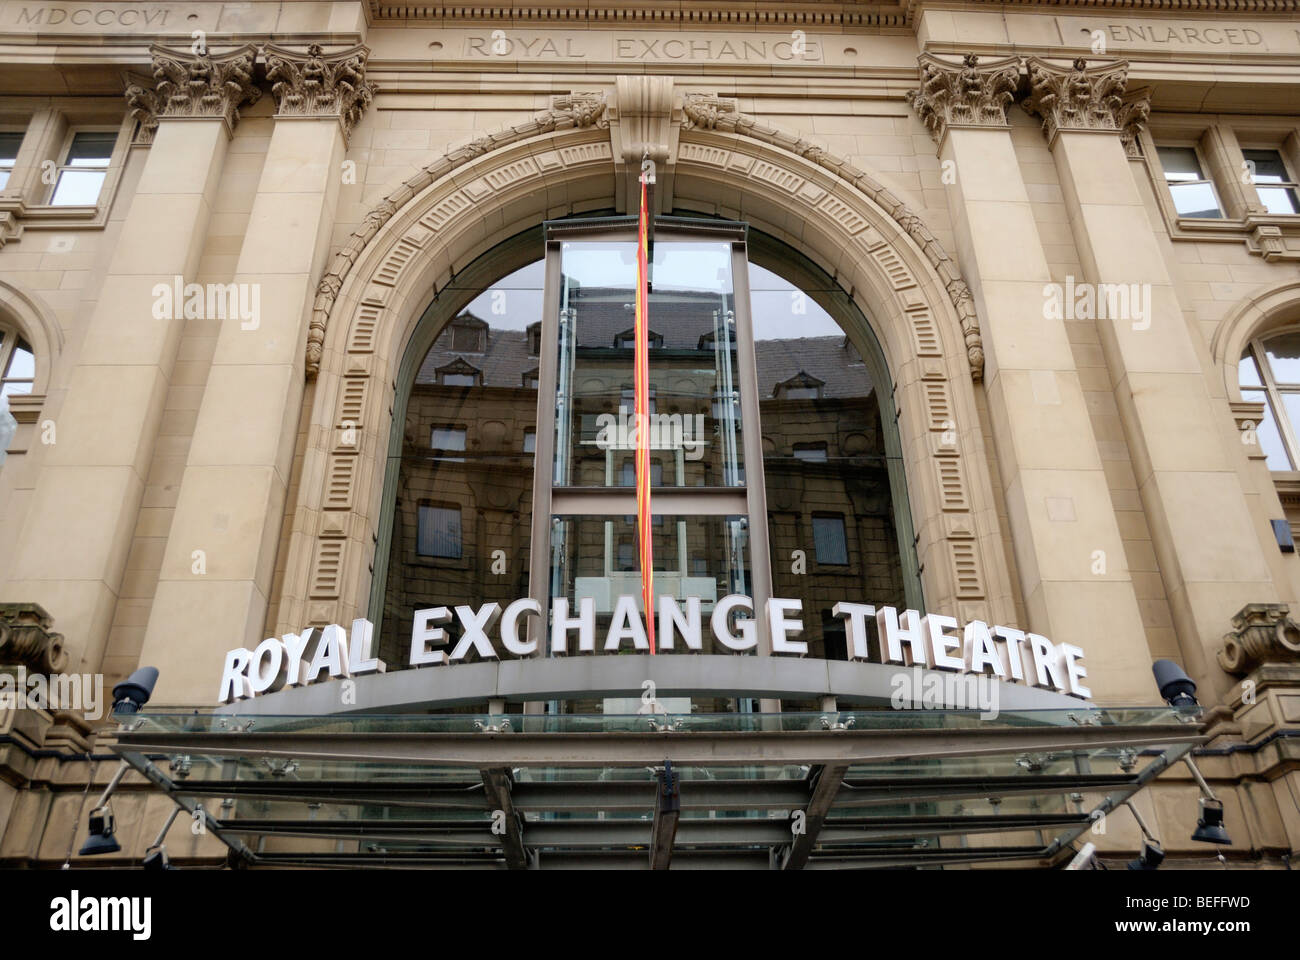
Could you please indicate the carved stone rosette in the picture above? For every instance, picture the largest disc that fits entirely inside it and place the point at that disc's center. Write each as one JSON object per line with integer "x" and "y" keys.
{"x": 965, "y": 94}
{"x": 26, "y": 639}
{"x": 1079, "y": 97}
{"x": 195, "y": 85}
{"x": 317, "y": 84}
{"x": 1261, "y": 633}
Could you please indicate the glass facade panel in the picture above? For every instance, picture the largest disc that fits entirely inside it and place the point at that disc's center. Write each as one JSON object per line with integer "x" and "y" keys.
{"x": 830, "y": 508}
{"x": 460, "y": 531}
{"x": 695, "y": 434}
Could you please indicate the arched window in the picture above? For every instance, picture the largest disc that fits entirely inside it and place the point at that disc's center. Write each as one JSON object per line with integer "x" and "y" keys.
{"x": 524, "y": 486}
{"x": 17, "y": 364}
{"x": 1269, "y": 372}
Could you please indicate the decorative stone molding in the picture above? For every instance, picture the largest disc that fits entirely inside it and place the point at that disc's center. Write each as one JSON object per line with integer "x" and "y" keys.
{"x": 642, "y": 126}
{"x": 715, "y": 113}
{"x": 1078, "y": 97}
{"x": 317, "y": 84}
{"x": 144, "y": 104}
{"x": 1132, "y": 118}
{"x": 1261, "y": 633}
{"x": 196, "y": 85}
{"x": 26, "y": 639}
{"x": 566, "y": 113}
{"x": 965, "y": 94}
{"x": 699, "y": 111}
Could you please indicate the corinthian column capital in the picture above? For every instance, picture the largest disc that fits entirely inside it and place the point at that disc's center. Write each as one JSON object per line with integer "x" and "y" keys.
{"x": 317, "y": 84}
{"x": 196, "y": 86}
{"x": 1080, "y": 97}
{"x": 964, "y": 94}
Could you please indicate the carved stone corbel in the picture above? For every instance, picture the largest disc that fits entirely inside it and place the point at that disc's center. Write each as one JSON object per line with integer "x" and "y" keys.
{"x": 642, "y": 127}
{"x": 965, "y": 94}
{"x": 26, "y": 639}
{"x": 317, "y": 84}
{"x": 1261, "y": 633}
{"x": 1080, "y": 97}
{"x": 197, "y": 86}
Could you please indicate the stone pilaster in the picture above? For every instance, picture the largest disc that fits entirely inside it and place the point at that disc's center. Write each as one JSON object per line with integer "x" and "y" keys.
{"x": 1185, "y": 451}
{"x": 72, "y": 551}
{"x": 1069, "y": 551}
{"x": 236, "y": 479}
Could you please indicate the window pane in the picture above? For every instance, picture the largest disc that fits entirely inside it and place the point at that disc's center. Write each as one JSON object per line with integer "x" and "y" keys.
{"x": 1247, "y": 372}
{"x": 447, "y": 438}
{"x": 9, "y": 144}
{"x": 459, "y": 380}
{"x": 487, "y": 489}
{"x": 694, "y": 556}
{"x": 439, "y": 534}
{"x": 91, "y": 149}
{"x": 530, "y": 441}
{"x": 1194, "y": 200}
{"x": 15, "y": 387}
{"x": 814, "y": 510}
{"x": 1284, "y": 357}
{"x": 1269, "y": 167}
{"x": 1179, "y": 163}
{"x": 828, "y": 537}
{"x": 4, "y": 177}
{"x": 22, "y": 365}
{"x": 77, "y": 188}
{"x": 1270, "y": 440}
{"x": 691, "y": 316}
{"x": 1281, "y": 200}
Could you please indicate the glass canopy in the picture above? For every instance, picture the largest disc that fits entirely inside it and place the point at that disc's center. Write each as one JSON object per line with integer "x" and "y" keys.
{"x": 764, "y": 791}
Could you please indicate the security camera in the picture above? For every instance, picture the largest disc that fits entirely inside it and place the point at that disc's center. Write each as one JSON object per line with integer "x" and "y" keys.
{"x": 134, "y": 692}
{"x": 1175, "y": 685}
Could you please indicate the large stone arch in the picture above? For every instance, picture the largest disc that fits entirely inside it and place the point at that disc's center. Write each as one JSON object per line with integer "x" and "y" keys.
{"x": 1261, "y": 313}
{"x": 571, "y": 160}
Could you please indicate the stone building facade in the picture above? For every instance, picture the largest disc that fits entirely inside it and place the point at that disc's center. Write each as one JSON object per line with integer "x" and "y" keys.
{"x": 1072, "y": 234}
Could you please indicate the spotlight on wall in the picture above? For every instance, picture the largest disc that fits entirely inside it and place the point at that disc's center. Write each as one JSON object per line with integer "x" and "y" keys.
{"x": 1178, "y": 689}
{"x": 1152, "y": 854}
{"x": 134, "y": 692}
{"x": 101, "y": 839}
{"x": 1150, "y": 858}
{"x": 1209, "y": 828}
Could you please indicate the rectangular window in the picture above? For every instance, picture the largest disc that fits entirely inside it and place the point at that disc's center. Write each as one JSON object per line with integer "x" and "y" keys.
{"x": 83, "y": 171}
{"x": 467, "y": 339}
{"x": 530, "y": 441}
{"x": 439, "y": 532}
{"x": 810, "y": 452}
{"x": 829, "y": 540}
{"x": 447, "y": 438}
{"x": 1273, "y": 182}
{"x": 9, "y": 144}
{"x": 1192, "y": 191}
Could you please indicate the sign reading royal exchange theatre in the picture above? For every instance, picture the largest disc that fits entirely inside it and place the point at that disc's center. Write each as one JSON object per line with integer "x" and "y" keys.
{"x": 738, "y": 417}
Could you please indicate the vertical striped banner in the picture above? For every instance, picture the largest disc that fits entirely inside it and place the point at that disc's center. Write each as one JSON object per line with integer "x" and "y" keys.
{"x": 641, "y": 381}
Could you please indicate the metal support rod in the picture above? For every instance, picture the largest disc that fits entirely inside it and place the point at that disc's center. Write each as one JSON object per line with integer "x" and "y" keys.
{"x": 1142, "y": 824}
{"x": 112, "y": 785}
{"x": 1205, "y": 787}
{"x": 162, "y": 834}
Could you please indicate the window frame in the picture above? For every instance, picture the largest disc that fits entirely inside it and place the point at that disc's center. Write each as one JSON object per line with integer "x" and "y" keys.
{"x": 10, "y": 337}
{"x": 1203, "y": 169}
{"x": 62, "y": 166}
{"x": 1292, "y": 184}
{"x": 1273, "y": 394}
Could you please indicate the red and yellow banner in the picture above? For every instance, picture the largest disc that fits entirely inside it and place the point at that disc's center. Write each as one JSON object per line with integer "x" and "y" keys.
{"x": 641, "y": 382}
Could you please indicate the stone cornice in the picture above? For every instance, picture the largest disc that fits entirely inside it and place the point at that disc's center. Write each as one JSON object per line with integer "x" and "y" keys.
{"x": 1078, "y": 97}
{"x": 964, "y": 94}
{"x": 319, "y": 84}
{"x": 196, "y": 86}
